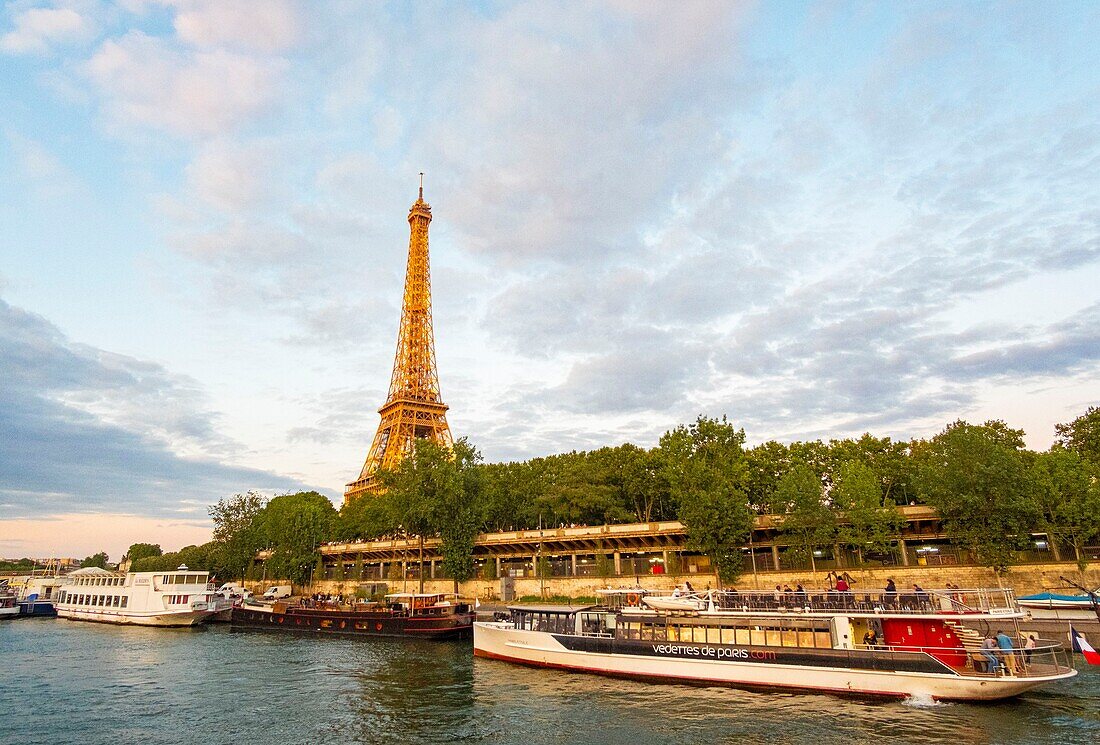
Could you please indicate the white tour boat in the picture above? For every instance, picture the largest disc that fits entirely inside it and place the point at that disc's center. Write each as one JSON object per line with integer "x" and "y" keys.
{"x": 928, "y": 644}
{"x": 177, "y": 598}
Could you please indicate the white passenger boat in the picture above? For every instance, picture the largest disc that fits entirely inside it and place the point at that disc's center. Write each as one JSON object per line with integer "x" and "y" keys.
{"x": 178, "y": 598}
{"x": 927, "y": 644}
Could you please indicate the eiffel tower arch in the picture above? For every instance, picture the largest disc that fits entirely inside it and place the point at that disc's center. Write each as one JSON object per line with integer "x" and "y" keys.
{"x": 413, "y": 409}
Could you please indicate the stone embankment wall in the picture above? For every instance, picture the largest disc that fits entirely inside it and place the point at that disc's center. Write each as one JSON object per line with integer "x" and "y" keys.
{"x": 1025, "y": 580}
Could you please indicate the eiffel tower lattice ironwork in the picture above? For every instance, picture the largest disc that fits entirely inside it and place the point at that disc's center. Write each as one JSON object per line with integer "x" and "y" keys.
{"x": 413, "y": 407}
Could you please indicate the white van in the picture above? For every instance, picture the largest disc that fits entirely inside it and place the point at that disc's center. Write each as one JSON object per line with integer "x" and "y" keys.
{"x": 277, "y": 592}
{"x": 234, "y": 591}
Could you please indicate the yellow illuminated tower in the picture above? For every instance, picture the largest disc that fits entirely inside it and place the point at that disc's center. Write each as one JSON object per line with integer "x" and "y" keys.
{"x": 413, "y": 407}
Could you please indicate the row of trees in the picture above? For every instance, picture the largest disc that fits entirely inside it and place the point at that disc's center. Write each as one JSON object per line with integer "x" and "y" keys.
{"x": 991, "y": 492}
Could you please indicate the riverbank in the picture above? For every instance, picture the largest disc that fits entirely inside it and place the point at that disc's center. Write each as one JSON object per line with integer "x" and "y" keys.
{"x": 1023, "y": 580}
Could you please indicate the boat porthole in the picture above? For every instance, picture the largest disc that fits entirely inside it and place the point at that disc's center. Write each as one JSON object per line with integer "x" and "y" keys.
{"x": 378, "y": 627}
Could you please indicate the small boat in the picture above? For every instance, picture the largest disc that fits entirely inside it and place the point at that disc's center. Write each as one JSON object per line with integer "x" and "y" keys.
{"x": 1054, "y": 606}
{"x": 929, "y": 644}
{"x": 9, "y": 605}
{"x": 1054, "y": 600}
{"x": 684, "y": 603}
{"x": 420, "y": 615}
{"x": 37, "y": 594}
{"x": 179, "y": 598}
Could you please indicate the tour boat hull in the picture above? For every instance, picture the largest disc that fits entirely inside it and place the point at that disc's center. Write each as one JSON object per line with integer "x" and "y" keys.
{"x": 37, "y": 609}
{"x": 742, "y": 667}
{"x": 354, "y": 623}
{"x": 151, "y": 618}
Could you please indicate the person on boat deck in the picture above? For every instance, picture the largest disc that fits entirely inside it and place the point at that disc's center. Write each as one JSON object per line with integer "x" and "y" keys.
{"x": 1029, "y": 647}
{"x": 1004, "y": 641}
{"x": 800, "y": 594}
{"x": 778, "y": 595}
{"x": 919, "y": 595}
{"x": 870, "y": 639}
{"x": 688, "y": 588}
{"x": 891, "y": 593}
{"x": 992, "y": 663}
{"x": 842, "y": 584}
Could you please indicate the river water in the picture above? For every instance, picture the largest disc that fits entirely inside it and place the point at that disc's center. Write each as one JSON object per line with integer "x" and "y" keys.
{"x": 72, "y": 682}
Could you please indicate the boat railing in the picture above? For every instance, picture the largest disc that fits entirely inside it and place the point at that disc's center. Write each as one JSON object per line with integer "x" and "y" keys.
{"x": 979, "y": 601}
{"x": 1047, "y": 658}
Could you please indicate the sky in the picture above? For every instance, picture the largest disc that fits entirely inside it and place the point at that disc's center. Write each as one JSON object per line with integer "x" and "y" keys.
{"x": 816, "y": 219}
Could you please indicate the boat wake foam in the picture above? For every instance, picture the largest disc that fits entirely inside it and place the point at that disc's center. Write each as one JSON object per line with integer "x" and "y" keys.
{"x": 923, "y": 701}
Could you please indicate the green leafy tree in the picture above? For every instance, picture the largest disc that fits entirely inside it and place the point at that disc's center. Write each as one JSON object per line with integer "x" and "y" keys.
{"x": 237, "y": 537}
{"x": 977, "y": 478}
{"x": 1068, "y": 489}
{"x": 889, "y": 461}
{"x": 705, "y": 468}
{"x": 870, "y": 522}
{"x": 459, "y": 516}
{"x": 436, "y": 492}
{"x": 293, "y": 527}
{"x": 142, "y": 550}
{"x": 369, "y": 517}
{"x": 808, "y": 522}
{"x": 765, "y": 465}
{"x": 605, "y": 565}
{"x": 1082, "y": 435}
{"x": 95, "y": 560}
{"x": 193, "y": 557}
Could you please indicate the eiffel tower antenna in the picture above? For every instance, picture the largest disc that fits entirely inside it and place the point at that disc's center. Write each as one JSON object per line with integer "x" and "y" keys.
{"x": 413, "y": 408}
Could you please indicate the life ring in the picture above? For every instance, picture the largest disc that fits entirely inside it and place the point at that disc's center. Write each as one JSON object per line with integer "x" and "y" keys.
{"x": 378, "y": 627}
{"x": 632, "y": 599}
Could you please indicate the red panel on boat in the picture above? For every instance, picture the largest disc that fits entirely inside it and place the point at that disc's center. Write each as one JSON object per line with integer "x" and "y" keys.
{"x": 925, "y": 634}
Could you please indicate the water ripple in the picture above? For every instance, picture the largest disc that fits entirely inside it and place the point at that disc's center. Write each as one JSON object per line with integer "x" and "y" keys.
{"x": 100, "y": 684}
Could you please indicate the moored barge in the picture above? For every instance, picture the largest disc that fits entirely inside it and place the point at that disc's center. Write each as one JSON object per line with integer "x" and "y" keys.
{"x": 961, "y": 645}
{"x": 418, "y": 615}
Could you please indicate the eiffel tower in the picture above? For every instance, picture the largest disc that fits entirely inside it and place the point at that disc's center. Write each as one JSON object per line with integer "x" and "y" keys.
{"x": 413, "y": 407}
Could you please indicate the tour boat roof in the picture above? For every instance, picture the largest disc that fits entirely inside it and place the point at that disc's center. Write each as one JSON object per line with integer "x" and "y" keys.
{"x": 418, "y": 594}
{"x": 564, "y": 609}
{"x": 91, "y": 570}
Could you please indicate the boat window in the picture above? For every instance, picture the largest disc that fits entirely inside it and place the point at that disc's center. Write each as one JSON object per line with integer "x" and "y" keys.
{"x": 125, "y": 599}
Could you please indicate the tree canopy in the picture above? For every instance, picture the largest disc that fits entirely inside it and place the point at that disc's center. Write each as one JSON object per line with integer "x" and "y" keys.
{"x": 976, "y": 476}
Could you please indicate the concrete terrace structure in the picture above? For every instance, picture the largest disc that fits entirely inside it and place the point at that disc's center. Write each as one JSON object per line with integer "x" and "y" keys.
{"x": 641, "y": 549}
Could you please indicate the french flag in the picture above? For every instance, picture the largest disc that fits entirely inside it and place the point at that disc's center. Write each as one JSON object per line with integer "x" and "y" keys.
{"x": 1081, "y": 644}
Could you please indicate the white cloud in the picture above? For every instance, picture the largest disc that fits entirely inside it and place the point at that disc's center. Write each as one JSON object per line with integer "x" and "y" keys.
{"x": 233, "y": 177}
{"x": 47, "y": 176}
{"x": 145, "y": 82}
{"x": 260, "y": 25}
{"x": 37, "y": 30}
